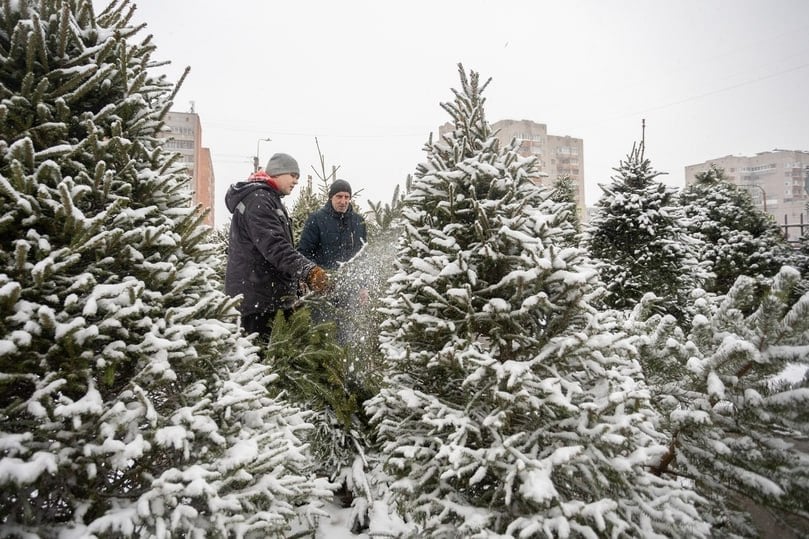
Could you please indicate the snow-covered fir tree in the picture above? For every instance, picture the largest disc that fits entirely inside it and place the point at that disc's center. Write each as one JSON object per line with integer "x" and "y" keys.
{"x": 130, "y": 406}
{"x": 307, "y": 202}
{"x": 800, "y": 258}
{"x": 385, "y": 218}
{"x": 365, "y": 481}
{"x": 736, "y": 237}
{"x": 738, "y": 423}
{"x": 639, "y": 235}
{"x": 564, "y": 192}
{"x": 312, "y": 197}
{"x": 333, "y": 381}
{"x": 219, "y": 239}
{"x": 513, "y": 408}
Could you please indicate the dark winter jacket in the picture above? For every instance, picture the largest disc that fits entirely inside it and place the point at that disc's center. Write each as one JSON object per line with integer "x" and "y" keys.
{"x": 330, "y": 237}
{"x": 262, "y": 261}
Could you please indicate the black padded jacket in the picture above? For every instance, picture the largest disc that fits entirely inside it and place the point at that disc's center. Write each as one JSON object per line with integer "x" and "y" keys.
{"x": 330, "y": 237}
{"x": 263, "y": 264}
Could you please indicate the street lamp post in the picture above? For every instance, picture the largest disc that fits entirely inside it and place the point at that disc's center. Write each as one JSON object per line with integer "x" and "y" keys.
{"x": 256, "y": 158}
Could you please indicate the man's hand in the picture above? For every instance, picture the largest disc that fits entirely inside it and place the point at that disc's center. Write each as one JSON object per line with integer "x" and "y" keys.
{"x": 318, "y": 280}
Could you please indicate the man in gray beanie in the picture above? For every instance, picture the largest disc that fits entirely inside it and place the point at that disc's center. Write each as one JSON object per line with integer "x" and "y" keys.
{"x": 263, "y": 265}
{"x": 282, "y": 163}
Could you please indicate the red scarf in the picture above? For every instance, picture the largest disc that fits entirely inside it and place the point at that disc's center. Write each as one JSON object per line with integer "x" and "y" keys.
{"x": 262, "y": 176}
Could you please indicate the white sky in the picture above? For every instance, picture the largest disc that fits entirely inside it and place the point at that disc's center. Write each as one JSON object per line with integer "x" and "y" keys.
{"x": 711, "y": 78}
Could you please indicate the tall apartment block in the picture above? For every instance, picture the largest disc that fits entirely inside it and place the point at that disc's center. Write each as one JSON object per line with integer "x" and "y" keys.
{"x": 778, "y": 182}
{"x": 556, "y": 155}
{"x": 185, "y": 134}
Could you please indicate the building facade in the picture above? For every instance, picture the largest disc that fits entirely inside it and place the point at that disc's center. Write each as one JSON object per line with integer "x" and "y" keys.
{"x": 557, "y": 156}
{"x": 185, "y": 137}
{"x": 777, "y": 181}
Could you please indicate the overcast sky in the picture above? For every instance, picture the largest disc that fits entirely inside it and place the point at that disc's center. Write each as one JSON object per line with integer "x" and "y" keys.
{"x": 711, "y": 78}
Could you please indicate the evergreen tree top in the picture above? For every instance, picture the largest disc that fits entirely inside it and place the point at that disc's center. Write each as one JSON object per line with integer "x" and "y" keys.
{"x": 738, "y": 238}
{"x": 713, "y": 199}
{"x": 636, "y": 174}
{"x": 639, "y": 233}
{"x": 712, "y": 176}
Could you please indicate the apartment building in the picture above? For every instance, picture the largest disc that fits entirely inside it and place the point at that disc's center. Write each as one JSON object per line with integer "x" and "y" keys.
{"x": 185, "y": 137}
{"x": 556, "y": 155}
{"x": 778, "y": 182}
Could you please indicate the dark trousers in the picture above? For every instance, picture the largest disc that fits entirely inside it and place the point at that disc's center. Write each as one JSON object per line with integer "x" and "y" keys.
{"x": 261, "y": 323}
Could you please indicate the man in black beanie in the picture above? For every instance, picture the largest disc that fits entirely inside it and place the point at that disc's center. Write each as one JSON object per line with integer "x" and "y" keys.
{"x": 334, "y": 233}
{"x": 331, "y": 236}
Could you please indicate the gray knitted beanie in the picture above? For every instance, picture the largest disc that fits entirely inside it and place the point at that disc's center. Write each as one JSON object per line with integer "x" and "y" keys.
{"x": 281, "y": 163}
{"x": 339, "y": 186}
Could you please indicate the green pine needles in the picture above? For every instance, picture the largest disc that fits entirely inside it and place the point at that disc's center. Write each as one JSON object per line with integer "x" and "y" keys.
{"x": 738, "y": 429}
{"x": 311, "y": 367}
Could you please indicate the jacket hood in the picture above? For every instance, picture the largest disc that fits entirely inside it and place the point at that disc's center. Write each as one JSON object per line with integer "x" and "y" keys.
{"x": 239, "y": 190}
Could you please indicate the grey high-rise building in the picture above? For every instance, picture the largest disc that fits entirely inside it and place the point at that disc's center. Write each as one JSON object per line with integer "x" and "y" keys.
{"x": 185, "y": 137}
{"x": 556, "y": 155}
{"x": 777, "y": 181}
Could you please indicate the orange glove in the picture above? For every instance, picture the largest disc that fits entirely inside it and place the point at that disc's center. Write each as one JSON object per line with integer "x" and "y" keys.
{"x": 318, "y": 279}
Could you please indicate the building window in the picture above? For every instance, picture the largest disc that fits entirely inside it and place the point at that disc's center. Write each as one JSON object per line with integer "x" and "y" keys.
{"x": 760, "y": 167}
{"x": 182, "y": 130}
{"x": 180, "y": 144}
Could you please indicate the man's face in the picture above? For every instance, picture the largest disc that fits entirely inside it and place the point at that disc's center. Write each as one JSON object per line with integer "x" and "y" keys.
{"x": 340, "y": 201}
{"x": 287, "y": 182}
